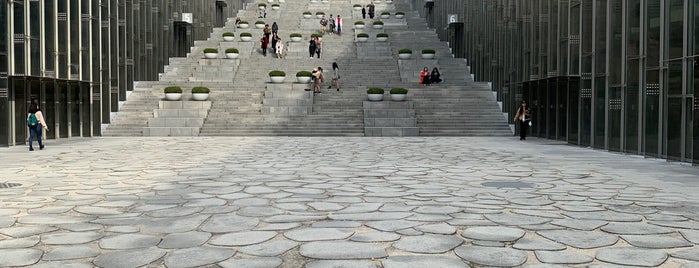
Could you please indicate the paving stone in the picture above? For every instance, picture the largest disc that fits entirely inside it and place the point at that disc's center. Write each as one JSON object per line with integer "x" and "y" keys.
{"x": 580, "y": 239}
{"x": 265, "y": 262}
{"x": 129, "y": 258}
{"x": 129, "y": 241}
{"x": 336, "y": 224}
{"x": 70, "y": 252}
{"x": 604, "y": 216}
{"x": 24, "y": 242}
{"x": 632, "y": 256}
{"x": 325, "y": 206}
{"x": 175, "y": 212}
{"x": 372, "y": 216}
{"x": 90, "y": 210}
{"x": 516, "y": 219}
{"x": 293, "y": 218}
{"x": 341, "y": 250}
{"x": 392, "y": 225}
{"x": 242, "y": 238}
{"x": 655, "y": 241}
{"x": 229, "y": 223}
{"x": 374, "y": 236}
{"x": 259, "y": 211}
{"x": 423, "y": 261}
{"x": 584, "y": 225}
{"x": 429, "y": 217}
{"x": 278, "y": 226}
{"x": 184, "y": 240}
{"x": 199, "y": 256}
{"x": 438, "y": 209}
{"x": 494, "y": 244}
{"x": 24, "y": 231}
{"x": 690, "y": 265}
{"x": 19, "y": 257}
{"x": 439, "y": 228}
{"x": 269, "y": 248}
{"x": 489, "y": 256}
{"x": 562, "y": 257}
{"x": 691, "y": 254}
{"x": 340, "y": 264}
{"x": 123, "y": 229}
{"x": 537, "y": 244}
{"x": 62, "y": 264}
{"x": 428, "y": 243}
{"x": 502, "y": 234}
{"x": 81, "y": 227}
{"x": 318, "y": 234}
{"x": 70, "y": 238}
{"x": 6, "y": 221}
{"x": 48, "y": 219}
{"x": 635, "y": 228}
{"x": 691, "y": 235}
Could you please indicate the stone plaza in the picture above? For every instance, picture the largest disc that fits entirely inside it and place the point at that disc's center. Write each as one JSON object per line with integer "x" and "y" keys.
{"x": 343, "y": 202}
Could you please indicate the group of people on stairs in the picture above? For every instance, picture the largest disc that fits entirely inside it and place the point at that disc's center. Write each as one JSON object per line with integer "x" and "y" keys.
{"x": 428, "y": 78}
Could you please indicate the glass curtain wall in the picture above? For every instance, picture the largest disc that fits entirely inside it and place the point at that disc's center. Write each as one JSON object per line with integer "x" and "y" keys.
{"x": 79, "y": 58}
{"x": 611, "y": 74}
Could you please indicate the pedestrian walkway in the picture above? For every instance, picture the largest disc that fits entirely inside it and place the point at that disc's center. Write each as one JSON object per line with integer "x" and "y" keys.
{"x": 342, "y": 202}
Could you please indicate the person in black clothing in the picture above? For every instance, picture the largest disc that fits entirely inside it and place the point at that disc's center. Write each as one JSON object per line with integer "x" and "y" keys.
{"x": 363, "y": 13}
{"x": 371, "y": 11}
{"x": 435, "y": 76}
{"x": 275, "y": 28}
{"x": 522, "y": 116}
{"x": 274, "y": 42}
{"x": 312, "y": 46}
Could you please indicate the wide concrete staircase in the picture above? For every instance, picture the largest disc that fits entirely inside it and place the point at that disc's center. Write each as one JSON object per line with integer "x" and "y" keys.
{"x": 245, "y": 103}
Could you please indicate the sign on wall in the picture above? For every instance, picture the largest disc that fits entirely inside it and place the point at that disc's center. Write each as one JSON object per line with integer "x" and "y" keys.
{"x": 187, "y": 17}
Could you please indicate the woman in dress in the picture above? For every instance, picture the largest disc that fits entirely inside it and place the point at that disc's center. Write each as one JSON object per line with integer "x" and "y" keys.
{"x": 424, "y": 76}
{"x": 435, "y": 77}
{"x": 336, "y": 77}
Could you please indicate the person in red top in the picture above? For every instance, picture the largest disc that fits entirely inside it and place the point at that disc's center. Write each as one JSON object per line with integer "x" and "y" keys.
{"x": 424, "y": 76}
{"x": 264, "y": 41}
{"x": 338, "y": 25}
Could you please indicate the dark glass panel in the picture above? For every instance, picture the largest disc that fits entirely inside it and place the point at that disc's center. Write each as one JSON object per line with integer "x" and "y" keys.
{"x": 631, "y": 104}
{"x": 614, "y": 118}
{"x": 633, "y": 16}
{"x": 49, "y": 109}
{"x": 674, "y": 128}
{"x": 652, "y": 113}
{"x": 600, "y": 109}
{"x": 653, "y": 37}
{"x": 573, "y": 100}
{"x": 600, "y": 36}
{"x": 675, "y": 28}
{"x": 674, "y": 83}
{"x": 62, "y": 108}
{"x": 49, "y": 36}
{"x": 75, "y": 109}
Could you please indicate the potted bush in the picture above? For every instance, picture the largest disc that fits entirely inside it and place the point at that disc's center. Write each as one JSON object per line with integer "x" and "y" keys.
{"x": 200, "y": 93}
{"x": 277, "y": 76}
{"x": 173, "y": 93}
{"x": 270, "y": 1}
{"x": 362, "y": 37}
{"x": 428, "y": 53}
{"x": 232, "y": 53}
{"x": 378, "y": 24}
{"x": 405, "y": 53}
{"x": 228, "y": 36}
{"x": 307, "y": 14}
{"x": 398, "y": 94}
{"x": 317, "y": 35}
{"x": 320, "y": 14}
{"x": 400, "y": 15}
{"x": 381, "y": 37}
{"x": 245, "y": 37}
{"x": 375, "y": 94}
{"x": 243, "y": 24}
{"x": 357, "y": 7}
{"x": 359, "y": 24}
{"x": 262, "y": 6}
{"x": 295, "y": 37}
{"x": 275, "y": 6}
{"x": 259, "y": 24}
{"x": 210, "y": 53}
{"x": 303, "y": 77}
{"x": 385, "y": 15}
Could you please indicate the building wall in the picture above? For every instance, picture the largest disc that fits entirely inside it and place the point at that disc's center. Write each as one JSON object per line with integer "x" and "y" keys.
{"x": 614, "y": 74}
{"x": 78, "y": 58}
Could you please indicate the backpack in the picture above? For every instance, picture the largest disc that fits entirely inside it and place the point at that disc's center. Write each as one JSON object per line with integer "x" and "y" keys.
{"x": 32, "y": 121}
{"x": 324, "y": 22}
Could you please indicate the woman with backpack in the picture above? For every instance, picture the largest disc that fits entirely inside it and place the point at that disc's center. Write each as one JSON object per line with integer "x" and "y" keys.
{"x": 35, "y": 122}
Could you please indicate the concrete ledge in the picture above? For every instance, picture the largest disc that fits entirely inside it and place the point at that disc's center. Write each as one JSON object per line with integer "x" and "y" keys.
{"x": 171, "y": 131}
{"x": 391, "y": 132}
{"x": 185, "y": 105}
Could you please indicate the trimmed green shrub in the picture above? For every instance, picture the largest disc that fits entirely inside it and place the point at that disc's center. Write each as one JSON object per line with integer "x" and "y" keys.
{"x": 381, "y": 35}
{"x": 316, "y": 35}
{"x": 385, "y": 13}
{"x": 200, "y": 90}
{"x": 400, "y": 13}
{"x": 210, "y": 50}
{"x": 173, "y": 89}
{"x": 320, "y": 13}
{"x": 307, "y": 13}
{"x": 358, "y": 23}
{"x": 428, "y": 51}
{"x": 304, "y": 74}
{"x": 378, "y": 22}
{"x": 399, "y": 90}
{"x": 259, "y": 22}
{"x": 277, "y": 73}
{"x": 231, "y": 50}
{"x": 374, "y": 90}
{"x": 243, "y": 22}
{"x": 295, "y": 35}
{"x": 262, "y": 5}
{"x": 357, "y": 5}
{"x": 228, "y": 34}
{"x": 246, "y": 34}
{"x": 275, "y": 5}
{"x": 363, "y": 35}
{"x": 405, "y": 51}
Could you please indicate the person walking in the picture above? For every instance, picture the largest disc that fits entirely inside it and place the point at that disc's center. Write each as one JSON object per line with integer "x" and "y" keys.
{"x": 264, "y": 42}
{"x": 424, "y": 76}
{"x": 319, "y": 45}
{"x": 338, "y": 24}
{"x": 336, "y": 77}
{"x": 522, "y": 116}
{"x": 267, "y": 31}
{"x": 280, "y": 48}
{"x": 371, "y": 11}
{"x": 317, "y": 78}
{"x": 312, "y": 47}
{"x": 323, "y": 24}
{"x": 36, "y": 123}
{"x": 275, "y": 38}
{"x": 363, "y": 13}
{"x": 275, "y": 28}
{"x": 331, "y": 24}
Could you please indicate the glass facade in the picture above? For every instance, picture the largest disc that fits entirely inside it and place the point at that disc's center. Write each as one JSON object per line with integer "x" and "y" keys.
{"x": 618, "y": 75}
{"x": 79, "y": 58}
